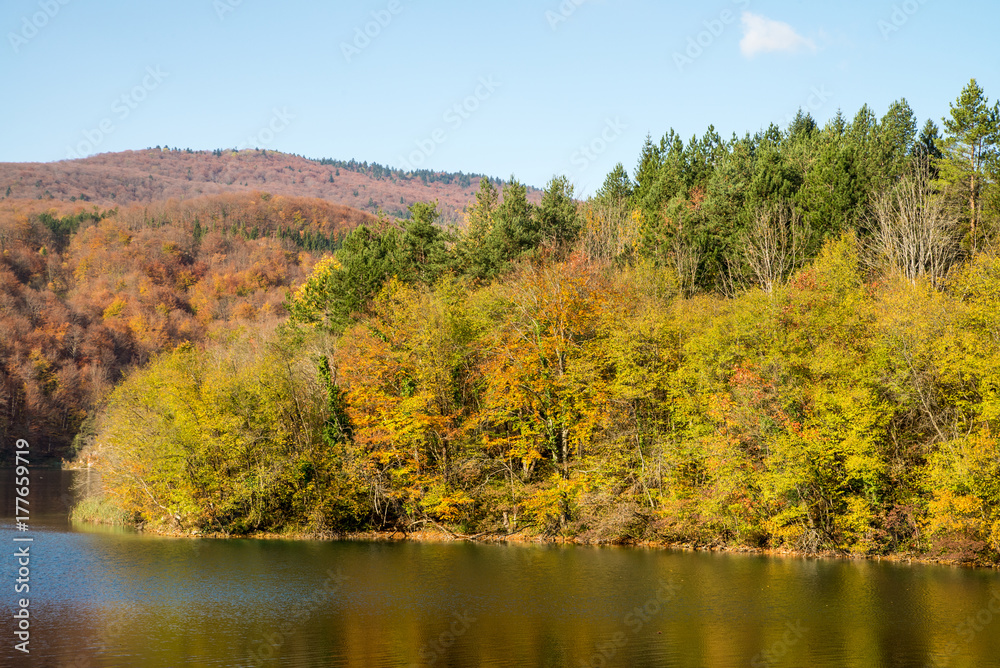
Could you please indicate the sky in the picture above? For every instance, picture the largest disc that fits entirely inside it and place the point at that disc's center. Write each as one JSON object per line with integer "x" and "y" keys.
{"x": 526, "y": 88}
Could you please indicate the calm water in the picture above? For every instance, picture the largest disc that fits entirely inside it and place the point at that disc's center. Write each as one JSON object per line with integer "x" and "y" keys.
{"x": 107, "y": 598}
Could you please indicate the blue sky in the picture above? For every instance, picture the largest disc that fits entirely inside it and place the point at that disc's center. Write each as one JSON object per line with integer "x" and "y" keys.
{"x": 530, "y": 88}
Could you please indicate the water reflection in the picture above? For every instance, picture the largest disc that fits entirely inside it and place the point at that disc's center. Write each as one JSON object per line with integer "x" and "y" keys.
{"x": 111, "y": 597}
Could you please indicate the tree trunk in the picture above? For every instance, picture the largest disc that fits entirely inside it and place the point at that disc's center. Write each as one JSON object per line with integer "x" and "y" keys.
{"x": 972, "y": 209}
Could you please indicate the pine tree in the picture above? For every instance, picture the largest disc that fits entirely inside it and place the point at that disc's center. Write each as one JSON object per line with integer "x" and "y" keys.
{"x": 647, "y": 177}
{"x": 970, "y": 145}
{"x": 479, "y": 220}
{"x": 558, "y": 218}
{"x": 516, "y": 231}
{"x": 617, "y": 188}
{"x": 895, "y": 140}
{"x": 928, "y": 141}
{"x": 423, "y": 251}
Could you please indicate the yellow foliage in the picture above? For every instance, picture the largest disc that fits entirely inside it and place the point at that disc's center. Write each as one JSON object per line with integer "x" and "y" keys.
{"x": 115, "y": 308}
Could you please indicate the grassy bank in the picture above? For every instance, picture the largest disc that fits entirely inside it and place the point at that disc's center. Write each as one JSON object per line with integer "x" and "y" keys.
{"x": 100, "y": 510}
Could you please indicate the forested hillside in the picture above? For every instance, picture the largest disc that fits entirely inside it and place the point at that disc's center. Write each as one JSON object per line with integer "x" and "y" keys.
{"x": 161, "y": 173}
{"x": 87, "y": 293}
{"x": 788, "y": 339}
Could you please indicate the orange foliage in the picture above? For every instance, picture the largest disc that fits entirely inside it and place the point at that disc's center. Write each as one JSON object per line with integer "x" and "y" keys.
{"x": 77, "y": 312}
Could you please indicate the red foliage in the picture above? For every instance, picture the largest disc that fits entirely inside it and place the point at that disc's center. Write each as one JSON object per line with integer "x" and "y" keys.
{"x": 154, "y": 175}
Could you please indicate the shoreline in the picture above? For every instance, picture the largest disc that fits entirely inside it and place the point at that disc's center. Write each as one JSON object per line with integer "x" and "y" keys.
{"x": 444, "y": 536}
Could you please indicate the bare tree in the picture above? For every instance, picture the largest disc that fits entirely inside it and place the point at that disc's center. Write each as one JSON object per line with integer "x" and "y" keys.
{"x": 610, "y": 231}
{"x": 687, "y": 259}
{"x": 916, "y": 234}
{"x": 773, "y": 244}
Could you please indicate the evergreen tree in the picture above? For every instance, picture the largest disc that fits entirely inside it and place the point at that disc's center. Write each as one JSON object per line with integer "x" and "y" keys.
{"x": 617, "y": 188}
{"x": 647, "y": 179}
{"x": 337, "y": 430}
{"x": 895, "y": 141}
{"x": 474, "y": 255}
{"x": 423, "y": 251}
{"x": 972, "y": 132}
{"x": 802, "y": 128}
{"x": 827, "y": 198}
{"x": 340, "y": 288}
{"x": 516, "y": 231}
{"x": 558, "y": 218}
{"x": 928, "y": 142}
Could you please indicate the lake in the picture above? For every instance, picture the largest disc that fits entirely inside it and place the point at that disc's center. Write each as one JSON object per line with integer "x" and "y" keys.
{"x": 102, "y": 597}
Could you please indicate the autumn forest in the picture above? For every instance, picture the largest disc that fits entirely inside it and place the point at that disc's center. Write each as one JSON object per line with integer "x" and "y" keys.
{"x": 788, "y": 339}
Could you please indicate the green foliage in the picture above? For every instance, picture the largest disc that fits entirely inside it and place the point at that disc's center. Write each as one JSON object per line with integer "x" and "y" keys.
{"x": 617, "y": 187}
{"x": 423, "y": 246}
{"x": 340, "y": 287}
{"x": 558, "y": 215}
{"x": 970, "y": 148}
{"x": 501, "y": 234}
{"x": 63, "y": 228}
{"x": 337, "y": 429}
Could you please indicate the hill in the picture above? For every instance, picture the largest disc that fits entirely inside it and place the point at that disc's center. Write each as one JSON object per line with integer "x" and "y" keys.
{"x": 150, "y": 175}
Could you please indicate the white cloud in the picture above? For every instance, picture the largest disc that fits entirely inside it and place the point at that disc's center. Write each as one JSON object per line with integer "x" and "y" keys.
{"x": 763, "y": 35}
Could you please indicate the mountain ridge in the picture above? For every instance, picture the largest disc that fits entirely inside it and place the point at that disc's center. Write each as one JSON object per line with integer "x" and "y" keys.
{"x": 155, "y": 174}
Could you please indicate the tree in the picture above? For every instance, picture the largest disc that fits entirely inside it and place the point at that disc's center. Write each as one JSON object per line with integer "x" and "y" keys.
{"x": 558, "y": 218}
{"x": 406, "y": 367}
{"x": 479, "y": 218}
{"x": 617, "y": 187}
{"x": 498, "y": 233}
{"x": 544, "y": 390}
{"x": 773, "y": 244}
{"x": 802, "y": 128}
{"x": 608, "y": 230}
{"x": 835, "y": 189}
{"x": 928, "y": 141}
{"x": 972, "y": 132}
{"x": 227, "y": 440}
{"x": 896, "y": 138}
{"x": 423, "y": 251}
{"x": 647, "y": 194}
{"x": 516, "y": 230}
{"x": 915, "y": 234}
{"x": 341, "y": 286}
